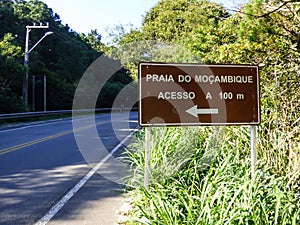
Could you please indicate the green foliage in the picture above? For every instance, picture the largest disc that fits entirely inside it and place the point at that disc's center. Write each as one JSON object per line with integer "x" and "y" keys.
{"x": 63, "y": 56}
{"x": 201, "y": 176}
{"x": 208, "y": 181}
{"x": 93, "y": 39}
{"x": 210, "y": 186}
{"x": 10, "y": 75}
{"x": 112, "y": 88}
{"x": 9, "y": 101}
{"x": 170, "y": 21}
{"x": 172, "y": 31}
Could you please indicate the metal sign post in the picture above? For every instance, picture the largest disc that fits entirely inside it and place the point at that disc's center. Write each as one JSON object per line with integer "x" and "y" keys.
{"x": 45, "y": 93}
{"x": 147, "y": 157}
{"x": 253, "y": 149}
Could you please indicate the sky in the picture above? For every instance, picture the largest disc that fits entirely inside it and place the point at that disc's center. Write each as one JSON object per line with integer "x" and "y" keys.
{"x": 82, "y": 16}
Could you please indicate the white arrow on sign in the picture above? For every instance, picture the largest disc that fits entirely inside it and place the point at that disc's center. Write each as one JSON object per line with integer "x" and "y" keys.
{"x": 195, "y": 112}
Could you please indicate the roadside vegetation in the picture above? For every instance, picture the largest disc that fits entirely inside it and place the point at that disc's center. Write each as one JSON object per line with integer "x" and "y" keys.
{"x": 62, "y": 57}
{"x": 202, "y": 175}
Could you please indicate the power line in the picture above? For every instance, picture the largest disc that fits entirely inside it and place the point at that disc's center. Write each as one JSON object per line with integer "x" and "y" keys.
{"x": 65, "y": 37}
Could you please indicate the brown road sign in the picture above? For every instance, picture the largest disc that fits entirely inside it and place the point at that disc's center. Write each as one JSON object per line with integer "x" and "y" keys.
{"x": 198, "y": 94}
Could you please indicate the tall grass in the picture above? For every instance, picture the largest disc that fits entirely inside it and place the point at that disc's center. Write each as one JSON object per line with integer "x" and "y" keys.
{"x": 206, "y": 180}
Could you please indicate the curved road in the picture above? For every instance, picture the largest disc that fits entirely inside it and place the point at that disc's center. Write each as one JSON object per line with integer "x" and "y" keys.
{"x": 41, "y": 162}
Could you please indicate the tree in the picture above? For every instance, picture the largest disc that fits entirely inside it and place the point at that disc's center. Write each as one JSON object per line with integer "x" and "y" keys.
{"x": 267, "y": 33}
{"x": 170, "y": 32}
{"x": 170, "y": 21}
{"x": 94, "y": 40}
{"x": 11, "y": 71}
{"x": 63, "y": 57}
{"x": 264, "y": 33}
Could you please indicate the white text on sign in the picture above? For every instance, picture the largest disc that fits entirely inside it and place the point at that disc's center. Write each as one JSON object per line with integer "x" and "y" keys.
{"x": 200, "y": 78}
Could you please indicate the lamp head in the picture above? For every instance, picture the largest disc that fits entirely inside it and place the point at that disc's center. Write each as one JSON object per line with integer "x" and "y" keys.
{"x": 48, "y": 33}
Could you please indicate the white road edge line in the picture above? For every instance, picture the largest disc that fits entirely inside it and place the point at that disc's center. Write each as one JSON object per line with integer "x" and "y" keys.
{"x": 57, "y": 207}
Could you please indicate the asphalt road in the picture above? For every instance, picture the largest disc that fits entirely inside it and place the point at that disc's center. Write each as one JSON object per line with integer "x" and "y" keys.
{"x": 41, "y": 162}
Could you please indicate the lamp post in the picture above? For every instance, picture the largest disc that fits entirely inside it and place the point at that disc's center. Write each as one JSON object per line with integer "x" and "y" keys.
{"x": 26, "y": 58}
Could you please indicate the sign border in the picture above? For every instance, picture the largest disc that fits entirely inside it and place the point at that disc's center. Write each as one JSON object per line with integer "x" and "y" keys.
{"x": 198, "y": 123}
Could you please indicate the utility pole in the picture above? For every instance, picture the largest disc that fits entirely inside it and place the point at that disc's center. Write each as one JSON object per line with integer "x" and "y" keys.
{"x": 45, "y": 93}
{"x": 33, "y": 93}
{"x": 26, "y": 56}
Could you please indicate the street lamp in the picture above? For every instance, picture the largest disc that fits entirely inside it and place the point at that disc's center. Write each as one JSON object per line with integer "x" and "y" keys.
{"x": 26, "y": 58}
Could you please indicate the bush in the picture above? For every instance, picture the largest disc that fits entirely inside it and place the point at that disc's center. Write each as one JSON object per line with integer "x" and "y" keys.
{"x": 10, "y": 101}
{"x": 202, "y": 176}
